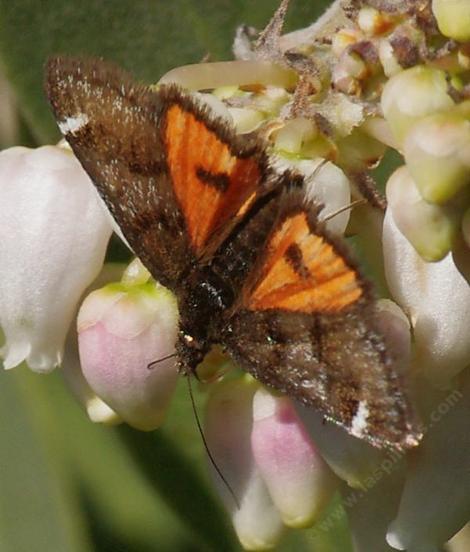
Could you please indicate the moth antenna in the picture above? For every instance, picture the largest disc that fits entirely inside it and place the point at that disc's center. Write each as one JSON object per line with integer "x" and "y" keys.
{"x": 317, "y": 169}
{"x": 152, "y": 364}
{"x": 206, "y": 446}
{"x": 345, "y": 208}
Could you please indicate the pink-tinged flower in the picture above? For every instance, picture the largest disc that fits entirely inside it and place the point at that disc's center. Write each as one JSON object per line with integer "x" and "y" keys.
{"x": 122, "y": 329}
{"x": 97, "y": 410}
{"x": 435, "y": 502}
{"x": 298, "y": 479}
{"x": 228, "y": 427}
{"x": 54, "y": 234}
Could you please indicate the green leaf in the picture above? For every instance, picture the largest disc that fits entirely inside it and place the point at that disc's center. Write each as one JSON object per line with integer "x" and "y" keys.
{"x": 118, "y": 499}
{"x": 38, "y": 507}
{"x": 148, "y": 37}
{"x": 176, "y": 479}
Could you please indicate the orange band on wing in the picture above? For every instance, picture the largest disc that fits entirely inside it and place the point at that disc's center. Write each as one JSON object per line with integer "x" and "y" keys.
{"x": 210, "y": 184}
{"x": 303, "y": 272}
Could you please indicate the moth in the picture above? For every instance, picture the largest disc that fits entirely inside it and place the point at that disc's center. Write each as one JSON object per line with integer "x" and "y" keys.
{"x": 244, "y": 252}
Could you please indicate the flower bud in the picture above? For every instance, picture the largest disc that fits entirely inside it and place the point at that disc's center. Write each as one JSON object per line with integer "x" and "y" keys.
{"x": 293, "y": 134}
{"x": 343, "y": 38}
{"x": 360, "y": 151}
{"x": 203, "y": 76}
{"x": 97, "y": 410}
{"x": 373, "y": 22}
{"x": 388, "y": 59}
{"x": 437, "y": 153}
{"x": 228, "y": 427}
{"x": 453, "y": 18}
{"x": 71, "y": 371}
{"x": 122, "y": 329}
{"x": 413, "y": 94}
{"x": 395, "y": 327}
{"x": 54, "y": 236}
{"x": 270, "y": 100}
{"x": 351, "y": 459}
{"x": 298, "y": 479}
{"x": 327, "y": 185}
{"x": 436, "y": 298}
{"x": 246, "y": 119}
{"x": 348, "y": 72}
{"x": 430, "y": 228}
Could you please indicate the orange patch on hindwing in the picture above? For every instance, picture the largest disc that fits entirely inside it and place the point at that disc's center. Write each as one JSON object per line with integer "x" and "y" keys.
{"x": 211, "y": 183}
{"x": 303, "y": 272}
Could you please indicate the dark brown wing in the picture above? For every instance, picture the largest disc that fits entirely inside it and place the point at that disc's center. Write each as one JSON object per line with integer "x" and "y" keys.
{"x": 305, "y": 326}
{"x": 175, "y": 177}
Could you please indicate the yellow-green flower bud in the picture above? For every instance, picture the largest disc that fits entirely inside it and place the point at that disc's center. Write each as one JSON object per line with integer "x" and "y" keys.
{"x": 246, "y": 119}
{"x": 431, "y": 229}
{"x": 413, "y": 94}
{"x": 291, "y": 137}
{"x": 453, "y": 18}
{"x": 437, "y": 152}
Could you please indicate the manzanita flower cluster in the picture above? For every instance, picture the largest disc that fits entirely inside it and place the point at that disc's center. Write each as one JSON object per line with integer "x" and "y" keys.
{"x": 330, "y": 100}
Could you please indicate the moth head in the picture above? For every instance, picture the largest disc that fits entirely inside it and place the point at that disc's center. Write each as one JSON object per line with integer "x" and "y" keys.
{"x": 191, "y": 351}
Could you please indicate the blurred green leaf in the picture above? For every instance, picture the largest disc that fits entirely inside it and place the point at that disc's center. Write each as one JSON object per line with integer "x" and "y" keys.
{"x": 38, "y": 507}
{"x": 390, "y": 161}
{"x": 178, "y": 481}
{"x": 148, "y": 37}
{"x": 120, "y": 502}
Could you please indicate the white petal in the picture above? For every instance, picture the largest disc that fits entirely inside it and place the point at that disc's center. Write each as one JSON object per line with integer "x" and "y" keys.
{"x": 369, "y": 514}
{"x": 436, "y": 298}
{"x": 435, "y": 503}
{"x": 352, "y": 459}
{"x": 327, "y": 185}
{"x": 54, "y": 237}
{"x": 257, "y": 522}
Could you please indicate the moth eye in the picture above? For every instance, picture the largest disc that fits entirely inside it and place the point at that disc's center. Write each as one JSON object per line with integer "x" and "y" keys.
{"x": 190, "y": 341}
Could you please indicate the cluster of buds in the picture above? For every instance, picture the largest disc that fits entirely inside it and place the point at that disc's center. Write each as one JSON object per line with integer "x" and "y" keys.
{"x": 329, "y": 101}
